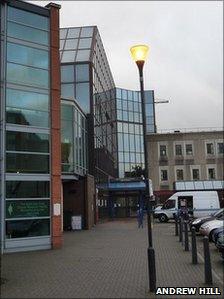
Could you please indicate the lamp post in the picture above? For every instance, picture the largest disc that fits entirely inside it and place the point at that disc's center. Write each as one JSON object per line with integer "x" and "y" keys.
{"x": 139, "y": 54}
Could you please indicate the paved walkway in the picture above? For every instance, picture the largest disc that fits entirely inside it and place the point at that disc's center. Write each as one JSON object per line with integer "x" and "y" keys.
{"x": 108, "y": 261}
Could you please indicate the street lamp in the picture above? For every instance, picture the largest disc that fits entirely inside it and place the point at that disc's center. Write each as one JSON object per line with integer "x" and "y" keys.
{"x": 139, "y": 55}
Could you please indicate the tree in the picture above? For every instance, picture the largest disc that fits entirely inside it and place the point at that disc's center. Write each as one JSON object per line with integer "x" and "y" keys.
{"x": 136, "y": 172}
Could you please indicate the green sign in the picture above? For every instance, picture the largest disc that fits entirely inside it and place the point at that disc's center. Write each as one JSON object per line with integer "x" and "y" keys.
{"x": 27, "y": 208}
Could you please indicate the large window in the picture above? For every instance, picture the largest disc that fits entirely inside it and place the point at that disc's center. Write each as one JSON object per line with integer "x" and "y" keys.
{"x": 67, "y": 73}
{"x": 163, "y": 175}
{"x": 220, "y": 148}
{"x": 179, "y": 174}
{"x": 28, "y": 26}
{"x": 82, "y": 96}
{"x": 67, "y": 138}
{"x": 29, "y": 142}
{"x": 27, "y": 203}
{"x": 27, "y": 189}
{"x": 27, "y": 33}
{"x": 26, "y": 75}
{"x": 73, "y": 140}
{"x": 195, "y": 174}
{"x": 82, "y": 72}
{"x": 189, "y": 149}
{"x": 163, "y": 150}
{"x": 178, "y": 149}
{"x": 210, "y": 148}
{"x": 27, "y": 99}
{"x": 27, "y": 108}
{"x": 25, "y": 17}
{"x": 28, "y": 56}
{"x": 27, "y": 228}
{"x": 211, "y": 174}
{"x": 27, "y": 163}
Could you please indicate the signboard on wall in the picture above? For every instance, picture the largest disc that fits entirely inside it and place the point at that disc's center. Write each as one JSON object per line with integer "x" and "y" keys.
{"x": 27, "y": 208}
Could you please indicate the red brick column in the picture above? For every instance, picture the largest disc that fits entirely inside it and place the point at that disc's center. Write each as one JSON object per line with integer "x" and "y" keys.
{"x": 56, "y": 219}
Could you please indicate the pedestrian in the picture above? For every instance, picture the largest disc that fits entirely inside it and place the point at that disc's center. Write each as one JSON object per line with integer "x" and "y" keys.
{"x": 140, "y": 217}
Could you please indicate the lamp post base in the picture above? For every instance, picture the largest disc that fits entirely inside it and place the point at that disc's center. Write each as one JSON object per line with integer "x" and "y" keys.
{"x": 151, "y": 269}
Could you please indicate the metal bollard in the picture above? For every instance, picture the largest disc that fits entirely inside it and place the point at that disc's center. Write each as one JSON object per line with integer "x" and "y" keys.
{"x": 186, "y": 239}
{"x": 208, "y": 268}
{"x": 180, "y": 230}
{"x": 176, "y": 225}
{"x": 194, "y": 246}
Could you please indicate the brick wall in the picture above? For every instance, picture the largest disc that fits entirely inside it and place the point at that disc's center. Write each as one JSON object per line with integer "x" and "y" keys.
{"x": 55, "y": 124}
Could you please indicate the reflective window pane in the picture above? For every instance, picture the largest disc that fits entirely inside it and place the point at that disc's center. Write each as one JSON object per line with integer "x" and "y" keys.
{"x": 85, "y": 43}
{"x": 29, "y": 18}
{"x": 82, "y": 72}
{"x": 67, "y": 73}
{"x": 27, "y": 75}
{"x": 26, "y": 99}
{"x": 71, "y": 44}
{"x": 27, "y": 189}
{"x": 27, "y": 55}
{"x": 27, "y": 117}
{"x": 83, "y": 55}
{"x": 189, "y": 149}
{"x": 68, "y": 56}
{"x": 27, "y": 163}
{"x": 67, "y": 143}
{"x": 73, "y": 32}
{"x": 30, "y": 142}
{"x": 63, "y": 33}
{"x": 82, "y": 96}
{"x": 67, "y": 91}
{"x": 27, "y": 33}
{"x": 27, "y": 228}
{"x": 87, "y": 32}
{"x": 118, "y": 93}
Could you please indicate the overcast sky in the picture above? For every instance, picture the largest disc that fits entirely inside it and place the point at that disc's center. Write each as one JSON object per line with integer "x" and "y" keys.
{"x": 185, "y": 63}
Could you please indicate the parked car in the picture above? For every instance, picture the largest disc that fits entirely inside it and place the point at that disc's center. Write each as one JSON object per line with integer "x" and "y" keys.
{"x": 208, "y": 227}
{"x": 199, "y": 221}
{"x": 198, "y": 203}
{"x": 216, "y": 233}
{"x": 220, "y": 245}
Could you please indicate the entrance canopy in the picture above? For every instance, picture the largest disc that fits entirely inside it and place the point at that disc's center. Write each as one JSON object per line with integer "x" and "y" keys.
{"x": 123, "y": 186}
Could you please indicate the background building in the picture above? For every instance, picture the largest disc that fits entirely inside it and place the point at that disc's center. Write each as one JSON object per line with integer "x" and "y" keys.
{"x": 184, "y": 156}
{"x": 30, "y": 127}
{"x": 86, "y": 77}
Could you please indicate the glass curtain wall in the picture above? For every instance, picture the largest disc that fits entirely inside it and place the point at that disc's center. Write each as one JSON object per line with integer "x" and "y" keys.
{"x": 86, "y": 76}
{"x": 129, "y": 131}
{"x": 27, "y": 186}
{"x": 75, "y": 84}
{"x": 73, "y": 139}
{"x": 150, "y": 112}
{"x": 104, "y": 104}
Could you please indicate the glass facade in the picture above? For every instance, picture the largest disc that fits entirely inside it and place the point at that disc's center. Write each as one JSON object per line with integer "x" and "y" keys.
{"x": 130, "y": 128}
{"x": 150, "y": 112}
{"x": 129, "y": 131}
{"x": 86, "y": 77}
{"x": 73, "y": 139}
{"x": 25, "y": 99}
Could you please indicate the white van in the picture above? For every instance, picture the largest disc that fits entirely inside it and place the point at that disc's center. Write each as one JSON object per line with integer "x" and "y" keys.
{"x": 198, "y": 203}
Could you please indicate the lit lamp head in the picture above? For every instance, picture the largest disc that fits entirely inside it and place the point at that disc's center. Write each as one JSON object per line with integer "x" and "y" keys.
{"x": 139, "y": 54}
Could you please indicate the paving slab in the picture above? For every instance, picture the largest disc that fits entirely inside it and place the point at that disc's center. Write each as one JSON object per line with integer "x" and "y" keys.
{"x": 108, "y": 261}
